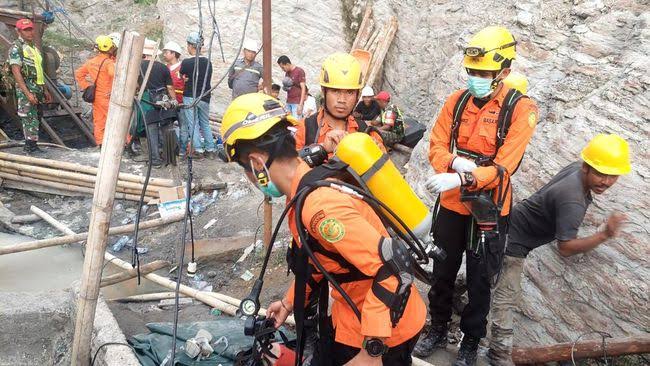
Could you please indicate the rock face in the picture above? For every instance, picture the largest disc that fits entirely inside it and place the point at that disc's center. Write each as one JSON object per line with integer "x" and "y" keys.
{"x": 306, "y": 31}
{"x": 588, "y": 73}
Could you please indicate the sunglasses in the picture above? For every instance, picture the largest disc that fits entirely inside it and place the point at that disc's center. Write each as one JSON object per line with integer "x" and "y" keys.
{"x": 480, "y": 51}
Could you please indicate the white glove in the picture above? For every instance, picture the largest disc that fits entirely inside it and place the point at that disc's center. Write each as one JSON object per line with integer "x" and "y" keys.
{"x": 463, "y": 165}
{"x": 442, "y": 182}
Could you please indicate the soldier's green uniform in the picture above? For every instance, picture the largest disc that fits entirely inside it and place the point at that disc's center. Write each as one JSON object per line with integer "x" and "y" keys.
{"x": 396, "y": 133}
{"x": 31, "y": 67}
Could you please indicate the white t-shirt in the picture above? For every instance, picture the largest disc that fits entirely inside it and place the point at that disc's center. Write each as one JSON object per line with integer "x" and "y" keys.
{"x": 309, "y": 107}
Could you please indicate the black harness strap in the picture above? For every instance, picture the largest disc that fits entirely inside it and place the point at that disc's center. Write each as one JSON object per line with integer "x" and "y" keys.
{"x": 311, "y": 129}
{"x": 375, "y": 168}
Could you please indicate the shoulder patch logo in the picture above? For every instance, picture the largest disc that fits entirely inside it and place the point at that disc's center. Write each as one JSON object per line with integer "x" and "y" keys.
{"x": 313, "y": 223}
{"x": 331, "y": 230}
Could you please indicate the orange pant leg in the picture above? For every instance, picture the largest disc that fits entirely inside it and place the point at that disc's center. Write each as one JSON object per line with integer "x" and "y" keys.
{"x": 100, "y": 112}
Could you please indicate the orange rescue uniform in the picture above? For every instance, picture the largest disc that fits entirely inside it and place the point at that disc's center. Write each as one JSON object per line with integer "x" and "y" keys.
{"x": 85, "y": 76}
{"x": 352, "y": 126}
{"x": 477, "y": 132}
{"x": 348, "y": 226}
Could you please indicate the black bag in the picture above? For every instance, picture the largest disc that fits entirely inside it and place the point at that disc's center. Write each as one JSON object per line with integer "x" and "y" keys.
{"x": 89, "y": 93}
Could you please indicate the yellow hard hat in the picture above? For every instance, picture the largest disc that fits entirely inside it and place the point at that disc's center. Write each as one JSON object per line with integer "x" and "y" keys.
{"x": 104, "y": 43}
{"x": 608, "y": 154}
{"x": 517, "y": 80}
{"x": 248, "y": 117}
{"x": 341, "y": 71}
{"x": 489, "y": 48}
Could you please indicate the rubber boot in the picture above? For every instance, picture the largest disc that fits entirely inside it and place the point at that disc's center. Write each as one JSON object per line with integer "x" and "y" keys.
{"x": 467, "y": 351}
{"x": 436, "y": 338}
{"x": 499, "y": 358}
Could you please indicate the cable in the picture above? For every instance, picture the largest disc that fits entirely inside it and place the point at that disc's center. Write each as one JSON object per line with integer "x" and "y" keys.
{"x": 135, "y": 256}
{"x": 604, "y": 345}
{"x": 109, "y": 344}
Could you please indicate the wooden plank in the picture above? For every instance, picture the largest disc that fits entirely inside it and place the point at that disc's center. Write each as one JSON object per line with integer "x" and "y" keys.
{"x": 382, "y": 50}
{"x": 364, "y": 28}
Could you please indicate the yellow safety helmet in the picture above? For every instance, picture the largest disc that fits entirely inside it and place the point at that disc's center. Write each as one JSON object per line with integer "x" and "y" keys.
{"x": 341, "y": 71}
{"x": 608, "y": 154}
{"x": 489, "y": 48}
{"x": 104, "y": 43}
{"x": 248, "y": 117}
{"x": 517, "y": 80}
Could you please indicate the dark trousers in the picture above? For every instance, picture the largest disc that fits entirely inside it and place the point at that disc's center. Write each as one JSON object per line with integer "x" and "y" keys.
{"x": 452, "y": 231}
{"x": 399, "y": 355}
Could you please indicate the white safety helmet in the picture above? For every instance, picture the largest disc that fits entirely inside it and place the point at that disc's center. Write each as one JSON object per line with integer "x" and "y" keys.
{"x": 116, "y": 37}
{"x": 251, "y": 45}
{"x": 367, "y": 91}
{"x": 150, "y": 48}
{"x": 173, "y": 46}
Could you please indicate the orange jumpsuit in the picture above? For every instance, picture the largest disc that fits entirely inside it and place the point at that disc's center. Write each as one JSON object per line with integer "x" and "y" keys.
{"x": 85, "y": 76}
{"x": 477, "y": 133}
{"x": 347, "y": 225}
{"x": 352, "y": 126}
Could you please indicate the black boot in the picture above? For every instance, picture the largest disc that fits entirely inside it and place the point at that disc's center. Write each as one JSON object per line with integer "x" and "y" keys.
{"x": 467, "y": 351}
{"x": 436, "y": 338}
{"x": 28, "y": 146}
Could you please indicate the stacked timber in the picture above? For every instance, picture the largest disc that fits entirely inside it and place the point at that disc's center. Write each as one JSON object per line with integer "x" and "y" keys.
{"x": 375, "y": 38}
{"x": 70, "y": 179}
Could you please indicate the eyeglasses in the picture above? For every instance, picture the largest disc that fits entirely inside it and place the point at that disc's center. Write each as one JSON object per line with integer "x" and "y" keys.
{"x": 480, "y": 51}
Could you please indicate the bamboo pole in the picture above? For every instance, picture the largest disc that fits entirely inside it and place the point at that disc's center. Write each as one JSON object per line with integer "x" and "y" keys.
{"x": 127, "y": 69}
{"x": 52, "y": 221}
{"x": 68, "y": 175}
{"x": 68, "y": 239}
{"x": 8, "y": 144}
{"x": 584, "y": 349}
{"x": 132, "y": 273}
{"x": 161, "y": 182}
{"x": 157, "y": 296}
{"x": 63, "y": 186}
{"x": 25, "y": 219}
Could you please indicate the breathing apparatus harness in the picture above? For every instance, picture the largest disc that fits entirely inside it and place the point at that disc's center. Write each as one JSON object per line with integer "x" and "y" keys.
{"x": 484, "y": 205}
{"x": 403, "y": 255}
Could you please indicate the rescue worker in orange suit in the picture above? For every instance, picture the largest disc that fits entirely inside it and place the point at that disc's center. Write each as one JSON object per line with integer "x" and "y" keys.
{"x": 468, "y": 156}
{"x": 100, "y": 71}
{"x": 255, "y": 129}
{"x": 341, "y": 82}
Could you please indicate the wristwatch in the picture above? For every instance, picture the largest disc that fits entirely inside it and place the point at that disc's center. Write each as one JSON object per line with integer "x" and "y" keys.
{"x": 375, "y": 347}
{"x": 469, "y": 179}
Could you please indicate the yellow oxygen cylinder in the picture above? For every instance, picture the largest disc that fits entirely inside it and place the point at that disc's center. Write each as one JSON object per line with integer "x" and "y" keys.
{"x": 385, "y": 182}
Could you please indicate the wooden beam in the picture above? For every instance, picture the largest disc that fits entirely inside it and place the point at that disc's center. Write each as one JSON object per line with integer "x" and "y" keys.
{"x": 583, "y": 349}
{"x": 55, "y": 137}
{"x": 127, "y": 69}
{"x": 364, "y": 28}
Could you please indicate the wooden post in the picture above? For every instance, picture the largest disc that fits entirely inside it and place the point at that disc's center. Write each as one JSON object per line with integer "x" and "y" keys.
{"x": 50, "y": 131}
{"x": 127, "y": 70}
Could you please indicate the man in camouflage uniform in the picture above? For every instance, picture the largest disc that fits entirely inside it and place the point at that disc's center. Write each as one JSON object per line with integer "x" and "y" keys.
{"x": 27, "y": 68}
{"x": 390, "y": 122}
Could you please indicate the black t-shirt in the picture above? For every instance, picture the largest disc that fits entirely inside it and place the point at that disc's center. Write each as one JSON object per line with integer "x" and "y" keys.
{"x": 203, "y": 74}
{"x": 368, "y": 113}
{"x": 555, "y": 212}
{"x": 158, "y": 78}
